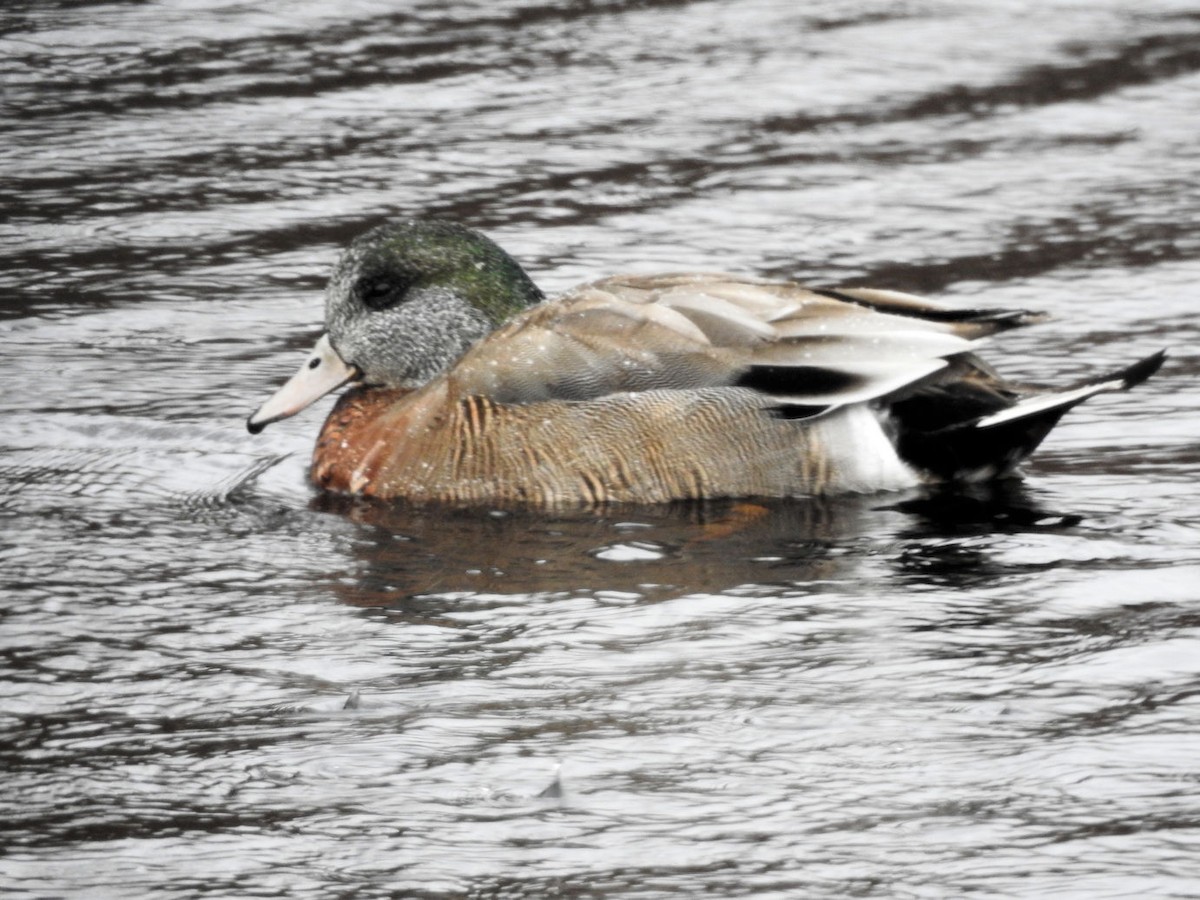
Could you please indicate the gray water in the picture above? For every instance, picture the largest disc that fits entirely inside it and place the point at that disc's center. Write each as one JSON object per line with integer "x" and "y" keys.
{"x": 215, "y": 683}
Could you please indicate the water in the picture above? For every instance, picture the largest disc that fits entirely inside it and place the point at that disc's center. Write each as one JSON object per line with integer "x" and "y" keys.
{"x": 217, "y": 684}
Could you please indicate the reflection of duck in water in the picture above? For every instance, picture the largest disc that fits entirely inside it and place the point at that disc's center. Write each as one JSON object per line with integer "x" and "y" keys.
{"x": 647, "y": 388}
{"x": 421, "y": 557}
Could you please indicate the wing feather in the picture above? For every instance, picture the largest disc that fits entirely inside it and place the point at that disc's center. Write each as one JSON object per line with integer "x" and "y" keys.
{"x": 691, "y": 331}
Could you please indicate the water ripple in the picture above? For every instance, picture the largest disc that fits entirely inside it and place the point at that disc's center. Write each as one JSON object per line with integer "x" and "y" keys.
{"x": 215, "y": 682}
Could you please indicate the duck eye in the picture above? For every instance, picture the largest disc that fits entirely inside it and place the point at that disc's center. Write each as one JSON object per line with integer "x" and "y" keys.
{"x": 382, "y": 291}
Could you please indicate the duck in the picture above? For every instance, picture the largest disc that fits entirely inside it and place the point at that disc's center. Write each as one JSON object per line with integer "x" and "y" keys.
{"x": 466, "y": 385}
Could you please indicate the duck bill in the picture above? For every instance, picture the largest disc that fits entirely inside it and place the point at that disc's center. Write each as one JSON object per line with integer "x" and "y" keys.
{"x": 323, "y": 371}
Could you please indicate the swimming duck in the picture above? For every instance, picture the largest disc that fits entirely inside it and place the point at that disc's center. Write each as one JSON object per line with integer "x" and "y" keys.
{"x": 470, "y": 387}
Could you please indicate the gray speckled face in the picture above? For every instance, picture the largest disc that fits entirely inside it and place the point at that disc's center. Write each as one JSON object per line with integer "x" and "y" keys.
{"x": 406, "y": 300}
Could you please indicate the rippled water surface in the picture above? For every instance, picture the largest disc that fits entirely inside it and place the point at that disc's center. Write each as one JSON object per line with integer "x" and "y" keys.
{"x": 215, "y": 683}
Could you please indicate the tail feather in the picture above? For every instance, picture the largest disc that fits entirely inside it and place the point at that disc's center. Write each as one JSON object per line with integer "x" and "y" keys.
{"x": 992, "y": 445}
{"x": 1121, "y": 380}
{"x": 1134, "y": 375}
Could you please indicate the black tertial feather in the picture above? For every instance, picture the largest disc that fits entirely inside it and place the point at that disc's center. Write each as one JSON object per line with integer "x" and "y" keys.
{"x": 805, "y": 380}
{"x": 995, "y": 319}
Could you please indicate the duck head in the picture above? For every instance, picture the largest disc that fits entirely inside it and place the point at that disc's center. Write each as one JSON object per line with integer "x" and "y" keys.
{"x": 405, "y": 301}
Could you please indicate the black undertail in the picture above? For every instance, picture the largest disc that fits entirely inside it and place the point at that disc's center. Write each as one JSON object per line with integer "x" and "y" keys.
{"x": 946, "y": 429}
